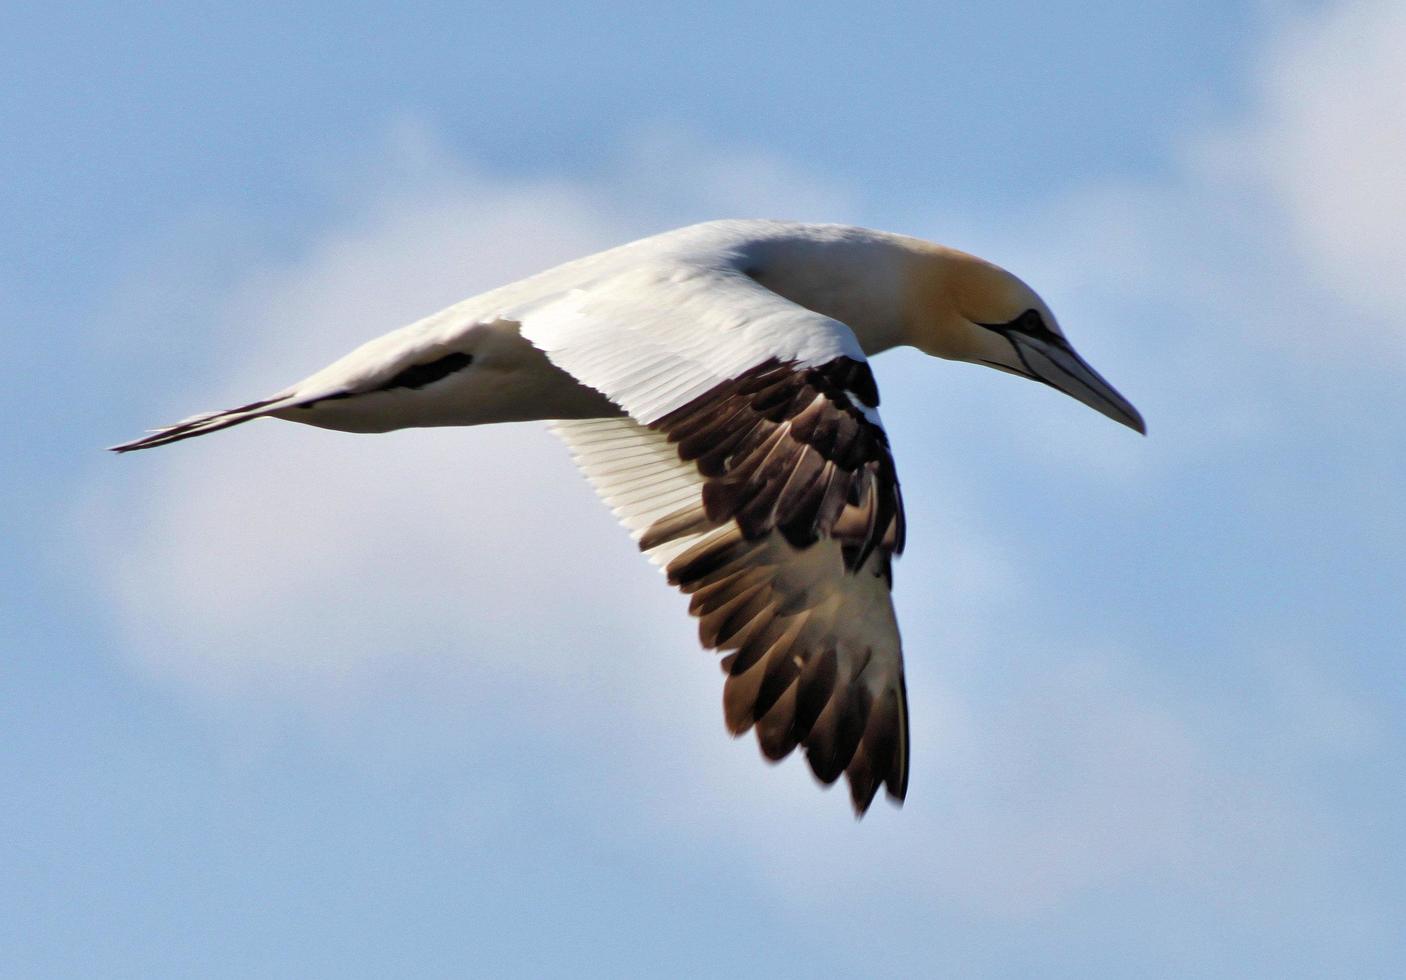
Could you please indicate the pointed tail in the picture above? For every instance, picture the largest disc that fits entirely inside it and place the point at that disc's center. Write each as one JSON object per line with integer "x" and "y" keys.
{"x": 198, "y": 425}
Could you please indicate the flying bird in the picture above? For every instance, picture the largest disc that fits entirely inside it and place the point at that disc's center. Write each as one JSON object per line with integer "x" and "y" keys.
{"x": 713, "y": 385}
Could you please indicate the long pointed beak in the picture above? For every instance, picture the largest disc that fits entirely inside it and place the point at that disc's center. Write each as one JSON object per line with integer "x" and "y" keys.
{"x": 1050, "y": 359}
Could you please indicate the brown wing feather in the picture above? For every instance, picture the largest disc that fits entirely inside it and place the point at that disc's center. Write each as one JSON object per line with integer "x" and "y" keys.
{"x": 788, "y": 453}
{"x": 790, "y": 449}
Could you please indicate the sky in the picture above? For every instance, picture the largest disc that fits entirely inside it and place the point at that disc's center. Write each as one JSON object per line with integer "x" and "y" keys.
{"x": 300, "y": 703}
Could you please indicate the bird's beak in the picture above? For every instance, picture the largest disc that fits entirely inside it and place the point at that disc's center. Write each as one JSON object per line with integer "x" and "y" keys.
{"x": 1048, "y": 358}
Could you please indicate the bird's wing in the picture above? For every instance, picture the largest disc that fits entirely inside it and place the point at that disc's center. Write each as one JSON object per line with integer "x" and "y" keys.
{"x": 752, "y": 466}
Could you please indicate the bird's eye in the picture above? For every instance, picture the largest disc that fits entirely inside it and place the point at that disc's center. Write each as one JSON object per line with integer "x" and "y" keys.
{"x": 1032, "y": 324}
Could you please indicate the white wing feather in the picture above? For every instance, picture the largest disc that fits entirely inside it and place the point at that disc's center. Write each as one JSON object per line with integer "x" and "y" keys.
{"x": 653, "y": 339}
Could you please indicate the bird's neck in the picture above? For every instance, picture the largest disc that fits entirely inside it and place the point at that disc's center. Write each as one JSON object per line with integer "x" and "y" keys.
{"x": 859, "y": 281}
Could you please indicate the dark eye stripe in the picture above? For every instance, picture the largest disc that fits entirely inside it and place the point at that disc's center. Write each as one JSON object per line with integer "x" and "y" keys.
{"x": 1029, "y": 324}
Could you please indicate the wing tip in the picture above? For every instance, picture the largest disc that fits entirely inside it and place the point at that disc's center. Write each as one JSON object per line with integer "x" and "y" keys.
{"x": 878, "y": 759}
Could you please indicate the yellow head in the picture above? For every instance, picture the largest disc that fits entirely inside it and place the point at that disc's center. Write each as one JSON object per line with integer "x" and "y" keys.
{"x": 967, "y": 309}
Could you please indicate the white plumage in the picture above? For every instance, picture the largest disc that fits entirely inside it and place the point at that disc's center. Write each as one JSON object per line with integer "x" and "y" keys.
{"x": 712, "y": 384}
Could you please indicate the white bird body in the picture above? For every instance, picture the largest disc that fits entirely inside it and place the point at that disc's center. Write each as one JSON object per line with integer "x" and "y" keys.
{"x": 647, "y": 281}
{"x": 712, "y": 384}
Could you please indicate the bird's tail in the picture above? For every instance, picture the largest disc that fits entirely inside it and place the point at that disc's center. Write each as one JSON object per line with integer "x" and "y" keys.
{"x": 198, "y": 425}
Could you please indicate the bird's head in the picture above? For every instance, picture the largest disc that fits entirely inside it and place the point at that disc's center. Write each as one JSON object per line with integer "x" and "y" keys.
{"x": 966, "y": 309}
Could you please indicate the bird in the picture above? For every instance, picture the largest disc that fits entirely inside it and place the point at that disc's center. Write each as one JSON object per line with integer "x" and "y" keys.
{"x": 713, "y": 385}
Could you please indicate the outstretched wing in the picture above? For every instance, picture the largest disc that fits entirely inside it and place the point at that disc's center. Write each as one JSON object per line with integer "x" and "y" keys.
{"x": 753, "y": 468}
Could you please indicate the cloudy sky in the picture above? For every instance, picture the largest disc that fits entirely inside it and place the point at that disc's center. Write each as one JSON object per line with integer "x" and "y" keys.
{"x": 293, "y": 702}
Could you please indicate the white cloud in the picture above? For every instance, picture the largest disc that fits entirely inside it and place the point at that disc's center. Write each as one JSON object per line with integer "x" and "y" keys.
{"x": 1332, "y": 142}
{"x": 702, "y": 183}
{"x": 1281, "y": 229}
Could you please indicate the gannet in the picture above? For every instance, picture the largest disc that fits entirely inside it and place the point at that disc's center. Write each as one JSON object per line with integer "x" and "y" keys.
{"x": 713, "y": 385}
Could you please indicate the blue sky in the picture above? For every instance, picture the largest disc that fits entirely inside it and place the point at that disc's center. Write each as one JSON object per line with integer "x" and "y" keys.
{"x": 301, "y": 703}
